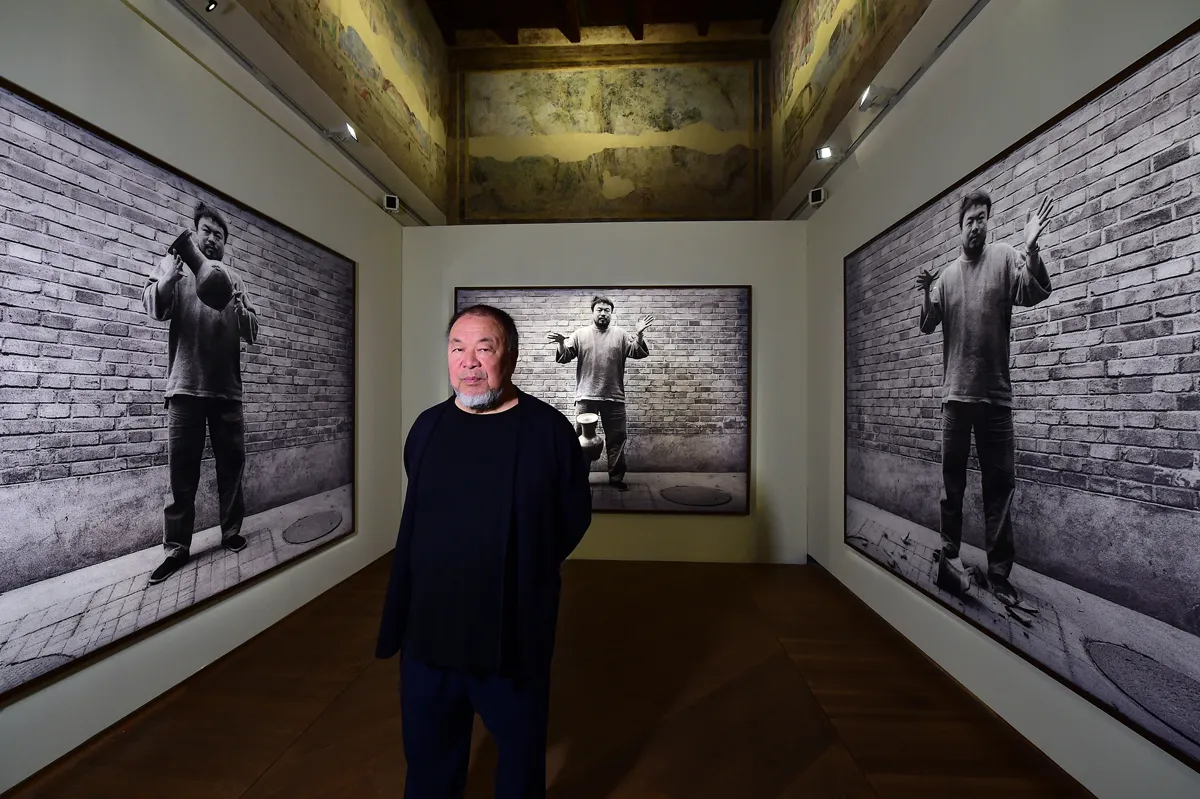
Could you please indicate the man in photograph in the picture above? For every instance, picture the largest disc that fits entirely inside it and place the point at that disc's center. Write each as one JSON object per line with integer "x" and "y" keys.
{"x": 600, "y": 351}
{"x": 204, "y": 389}
{"x": 497, "y": 498}
{"x": 972, "y": 300}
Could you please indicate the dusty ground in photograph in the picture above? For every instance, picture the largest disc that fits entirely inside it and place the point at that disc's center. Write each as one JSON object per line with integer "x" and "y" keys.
{"x": 1146, "y": 670}
{"x": 52, "y": 622}
{"x": 659, "y": 492}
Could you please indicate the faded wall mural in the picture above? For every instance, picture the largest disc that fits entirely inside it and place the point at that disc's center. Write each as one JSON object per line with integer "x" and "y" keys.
{"x": 824, "y": 53}
{"x": 384, "y": 63}
{"x": 620, "y": 142}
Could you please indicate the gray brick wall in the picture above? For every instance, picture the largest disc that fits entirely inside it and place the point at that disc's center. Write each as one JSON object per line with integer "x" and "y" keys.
{"x": 82, "y": 368}
{"x": 1107, "y": 396}
{"x": 696, "y": 379}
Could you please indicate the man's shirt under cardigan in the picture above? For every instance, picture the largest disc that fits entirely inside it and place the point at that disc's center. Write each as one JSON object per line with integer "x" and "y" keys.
{"x": 460, "y": 554}
{"x": 549, "y": 504}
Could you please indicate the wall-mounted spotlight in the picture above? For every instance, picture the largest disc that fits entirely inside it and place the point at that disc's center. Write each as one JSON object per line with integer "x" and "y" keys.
{"x": 875, "y": 97}
{"x": 343, "y": 134}
{"x": 212, "y": 5}
{"x": 824, "y": 153}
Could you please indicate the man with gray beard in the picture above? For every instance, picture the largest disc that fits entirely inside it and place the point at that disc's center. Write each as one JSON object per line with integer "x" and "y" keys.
{"x": 497, "y": 498}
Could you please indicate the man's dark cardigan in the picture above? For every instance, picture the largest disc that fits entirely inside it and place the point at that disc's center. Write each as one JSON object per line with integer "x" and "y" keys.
{"x": 552, "y": 510}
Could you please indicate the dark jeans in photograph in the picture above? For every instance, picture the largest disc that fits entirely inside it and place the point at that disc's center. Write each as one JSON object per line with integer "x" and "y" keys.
{"x": 612, "y": 427}
{"x": 188, "y": 419}
{"x": 437, "y": 711}
{"x": 995, "y": 447}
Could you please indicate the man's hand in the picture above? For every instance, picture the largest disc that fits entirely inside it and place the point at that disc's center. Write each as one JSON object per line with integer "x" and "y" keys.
{"x": 643, "y": 323}
{"x": 1036, "y": 222}
{"x": 925, "y": 280}
{"x": 169, "y": 270}
{"x": 557, "y": 338}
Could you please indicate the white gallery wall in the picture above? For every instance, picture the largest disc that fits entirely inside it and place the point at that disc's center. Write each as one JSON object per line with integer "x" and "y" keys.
{"x": 144, "y": 73}
{"x": 768, "y": 256}
{"x": 1016, "y": 66}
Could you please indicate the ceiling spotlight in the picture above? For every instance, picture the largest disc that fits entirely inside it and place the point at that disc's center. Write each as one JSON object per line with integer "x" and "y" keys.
{"x": 875, "y": 97}
{"x": 824, "y": 153}
{"x": 212, "y": 4}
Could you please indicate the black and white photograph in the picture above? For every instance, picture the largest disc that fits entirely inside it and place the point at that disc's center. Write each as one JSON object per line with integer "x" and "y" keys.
{"x": 656, "y": 381}
{"x": 176, "y": 392}
{"x": 1023, "y": 398}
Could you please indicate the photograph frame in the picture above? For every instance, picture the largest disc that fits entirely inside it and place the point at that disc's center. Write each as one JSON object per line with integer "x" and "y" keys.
{"x": 1182, "y": 36}
{"x": 33, "y": 685}
{"x": 747, "y": 461}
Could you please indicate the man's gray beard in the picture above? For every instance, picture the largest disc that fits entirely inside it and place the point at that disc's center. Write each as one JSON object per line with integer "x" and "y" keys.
{"x": 481, "y": 402}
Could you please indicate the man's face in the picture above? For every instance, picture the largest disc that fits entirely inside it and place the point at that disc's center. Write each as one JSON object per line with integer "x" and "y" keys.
{"x": 602, "y": 314}
{"x": 480, "y": 367}
{"x": 210, "y": 239}
{"x": 974, "y": 229}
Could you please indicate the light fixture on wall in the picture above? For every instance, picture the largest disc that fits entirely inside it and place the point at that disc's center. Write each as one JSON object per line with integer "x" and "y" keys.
{"x": 875, "y": 97}
{"x": 343, "y": 134}
{"x": 212, "y": 4}
{"x": 824, "y": 153}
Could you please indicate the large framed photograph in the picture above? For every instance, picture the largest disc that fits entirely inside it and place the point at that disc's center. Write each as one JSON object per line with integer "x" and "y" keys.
{"x": 176, "y": 392}
{"x": 1022, "y": 408}
{"x": 656, "y": 380}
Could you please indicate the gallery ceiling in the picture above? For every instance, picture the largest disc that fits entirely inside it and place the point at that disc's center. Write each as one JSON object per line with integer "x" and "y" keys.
{"x": 570, "y": 17}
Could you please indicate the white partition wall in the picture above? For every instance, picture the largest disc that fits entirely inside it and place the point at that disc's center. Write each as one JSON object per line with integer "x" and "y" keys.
{"x": 1017, "y": 66}
{"x": 767, "y": 256}
{"x": 145, "y": 74}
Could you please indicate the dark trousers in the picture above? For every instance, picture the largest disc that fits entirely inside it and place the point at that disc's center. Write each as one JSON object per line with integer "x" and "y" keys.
{"x": 188, "y": 418}
{"x": 995, "y": 447}
{"x": 438, "y": 709}
{"x": 612, "y": 425}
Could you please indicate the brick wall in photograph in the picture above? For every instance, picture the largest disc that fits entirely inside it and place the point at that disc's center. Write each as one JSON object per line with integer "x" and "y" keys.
{"x": 1107, "y": 395}
{"x": 696, "y": 378}
{"x": 82, "y": 367}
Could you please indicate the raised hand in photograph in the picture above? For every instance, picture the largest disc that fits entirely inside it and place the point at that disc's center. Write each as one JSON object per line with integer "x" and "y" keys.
{"x": 601, "y": 350}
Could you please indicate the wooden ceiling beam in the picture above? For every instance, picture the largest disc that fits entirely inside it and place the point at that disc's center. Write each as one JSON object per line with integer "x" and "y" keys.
{"x": 446, "y": 14}
{"x": 635, "y": 13}
{"x": 570, "y": 21}
{"x": 703, "y": 16}
{"x": 768, "y": 10}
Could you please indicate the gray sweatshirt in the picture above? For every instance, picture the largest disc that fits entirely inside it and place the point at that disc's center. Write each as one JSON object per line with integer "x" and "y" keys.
{"x": 600, "y": 371}
{"x": 973, "y": 302}
{"x": 203, "y": 345}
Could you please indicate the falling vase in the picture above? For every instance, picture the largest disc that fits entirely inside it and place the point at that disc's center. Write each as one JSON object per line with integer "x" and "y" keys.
{"x": 213, "y": 286}
{"x": 589, "y": 439}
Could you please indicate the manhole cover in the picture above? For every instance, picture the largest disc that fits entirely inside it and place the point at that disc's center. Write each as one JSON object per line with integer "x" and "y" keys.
{"x": 1171, "y": 697}
{"x": 312, "y": 527}
{"x": 696, "y": 495}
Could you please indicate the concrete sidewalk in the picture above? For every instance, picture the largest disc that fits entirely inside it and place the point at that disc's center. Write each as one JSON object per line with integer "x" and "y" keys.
{"x": 1140, "y": 667}
{"x": 46, "y": 624}
{"x": 644, "y": 493}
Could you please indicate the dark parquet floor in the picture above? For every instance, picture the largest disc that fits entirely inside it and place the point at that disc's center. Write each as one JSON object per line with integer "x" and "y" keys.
{"x": 671, "y": 681}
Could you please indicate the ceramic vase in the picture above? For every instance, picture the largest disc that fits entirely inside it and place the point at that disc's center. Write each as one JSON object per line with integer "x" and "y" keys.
{"x": 589, "y": 439}
{"x": 213, "y": 286}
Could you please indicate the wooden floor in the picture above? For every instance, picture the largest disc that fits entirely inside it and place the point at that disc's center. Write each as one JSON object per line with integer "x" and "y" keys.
{"x": 679, "y": 681}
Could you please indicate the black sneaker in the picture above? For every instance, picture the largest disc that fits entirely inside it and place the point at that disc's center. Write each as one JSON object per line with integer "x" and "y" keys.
{"x": 169, "y": 566}
{"x": 619, "y": 485}
{"x": 234, "y": 543}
